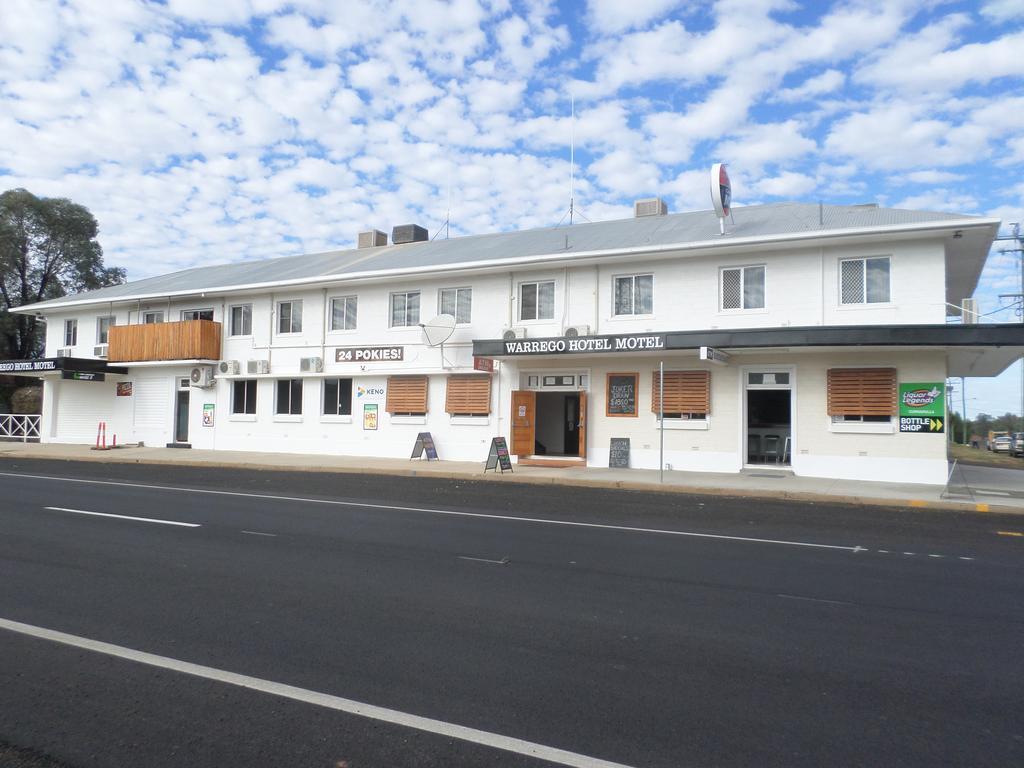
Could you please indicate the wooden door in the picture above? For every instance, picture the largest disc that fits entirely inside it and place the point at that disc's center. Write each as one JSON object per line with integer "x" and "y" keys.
{"x": 524, "y": 422}
{"x": 583, "y": 425}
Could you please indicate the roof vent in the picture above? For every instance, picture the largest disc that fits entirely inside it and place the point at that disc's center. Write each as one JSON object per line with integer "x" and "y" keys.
{"x": 652, "y": 206}
{"x": 408, "y": 233}
{"x": 372, "y": 238}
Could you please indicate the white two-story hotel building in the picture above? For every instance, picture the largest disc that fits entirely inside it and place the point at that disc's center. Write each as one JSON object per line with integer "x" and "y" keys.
{"x": 805, "y": 338}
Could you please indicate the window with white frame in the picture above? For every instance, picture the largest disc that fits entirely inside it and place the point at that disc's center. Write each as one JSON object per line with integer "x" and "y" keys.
{"x": 103, "y": 329}
{"x": 634, "y": 295}
{"x": 337, "y": 397}
{"x": 153, "y": 316}
{"x": 197, "y": 314}
{"x": 405, "y": 309}
{"x": 457, "y": 302}
{"x": 537, "y": 301}
{"x": 743, "y": 287}
{"x": 241, "y": 320}
{"x": 864, "y": 281}
{"x": 289, "y": 397}
{"x": 289, "y": 317}
{"x": 343, "y": 313}
{"x": 243, "y": 396}
{"x": 70, "y": 333}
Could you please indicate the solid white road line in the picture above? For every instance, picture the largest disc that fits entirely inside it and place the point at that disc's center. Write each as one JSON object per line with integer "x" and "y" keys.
{"x": 537, "y": 520}
{"x": 124, "y": 517}
{"x": 260, "y": 533}
{"x": 439, "y": 727}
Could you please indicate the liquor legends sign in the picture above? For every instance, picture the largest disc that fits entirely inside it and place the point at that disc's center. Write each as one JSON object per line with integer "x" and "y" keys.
{"x": 574, "y": 345}
{"x": 926, "y": 399}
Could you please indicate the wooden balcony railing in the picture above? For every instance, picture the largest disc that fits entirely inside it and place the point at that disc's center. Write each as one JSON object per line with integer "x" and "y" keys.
{"x": 187, "y": 340}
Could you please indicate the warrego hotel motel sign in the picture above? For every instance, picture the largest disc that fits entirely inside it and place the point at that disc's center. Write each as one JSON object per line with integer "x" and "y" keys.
{"x": 565, "y": 345}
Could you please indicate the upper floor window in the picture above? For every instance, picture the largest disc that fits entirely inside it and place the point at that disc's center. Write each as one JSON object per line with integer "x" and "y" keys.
{"x": 634, "y": 295}
{"x": 405, "y": 309}
{"x": 864, "y": 281}
{"x": 153, "y": 316}
{"x": 243, "y": 396}
{"x": 289, "y": 397}
{"x": 743, "y": 288}
{"x": 537, "y": 301}
{"x": 103, "y": 329}
{"x": 457, "y": 302}
{"x": 343, "y": 313}
{"x": 241, "y": 320}
{"x": 337, "y": 397}
{"x": 289, "y": 317}
{"x": 70, "y": 333}
{"x": 197, "y": 314}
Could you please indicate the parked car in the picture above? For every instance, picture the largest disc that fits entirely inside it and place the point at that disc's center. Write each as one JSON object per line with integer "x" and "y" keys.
{"x": 1002, "y": 444}
{"x": 1017, "y": 446}
{"x": 990, "y": 443}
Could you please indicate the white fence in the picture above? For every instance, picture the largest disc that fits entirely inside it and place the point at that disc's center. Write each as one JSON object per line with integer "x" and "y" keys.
{"x": 22, "y": 427}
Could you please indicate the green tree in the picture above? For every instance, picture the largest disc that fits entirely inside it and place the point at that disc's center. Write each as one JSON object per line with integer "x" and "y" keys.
{"x": 48, "y": 248}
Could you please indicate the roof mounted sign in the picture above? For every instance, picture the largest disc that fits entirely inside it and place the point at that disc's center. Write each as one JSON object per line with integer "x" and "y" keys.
{"x": 721, "y": 193}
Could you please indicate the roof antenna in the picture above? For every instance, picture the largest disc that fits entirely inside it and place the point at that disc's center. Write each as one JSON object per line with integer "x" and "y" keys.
{"x": 572, "y": 152}
{"x": 446, "y": 226}
{"x": 572, "y": 166}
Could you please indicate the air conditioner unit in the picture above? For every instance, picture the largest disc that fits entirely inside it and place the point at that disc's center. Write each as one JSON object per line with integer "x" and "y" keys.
{"x": 66, "y": 352}
{"x": 100, "y": 350}
{"x": 257, "y": 366}
{"x": 969, "y": 311}
{"x": 652, "y": 206}
{"x": 511, "y": 334}
{"x": 573, "y": 331}
{"x": 229, "y": 367}
{"x": 311, "y": 364}
{"x": 201, "y": 376}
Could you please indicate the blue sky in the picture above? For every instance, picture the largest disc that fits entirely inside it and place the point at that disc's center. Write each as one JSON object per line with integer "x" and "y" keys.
{"x": 201, "y": 132}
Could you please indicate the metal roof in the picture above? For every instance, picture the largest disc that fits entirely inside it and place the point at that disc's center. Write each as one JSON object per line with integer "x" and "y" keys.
{"x": 680, "y": 229}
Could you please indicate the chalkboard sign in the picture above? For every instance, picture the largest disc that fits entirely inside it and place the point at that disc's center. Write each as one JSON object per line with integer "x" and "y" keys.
{"x": 618, "y": 453}
{"x": 497, "y": 457}
{"x": 621, "y": 394}
{"x": 424, "y": 443}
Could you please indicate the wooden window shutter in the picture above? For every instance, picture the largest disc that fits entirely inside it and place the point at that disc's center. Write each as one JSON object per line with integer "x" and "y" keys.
{"x": 862, "y": 391}
{"x": 407, "y": 394}
{"x": 685, "y": 392}
{"x": 468, "y": 394}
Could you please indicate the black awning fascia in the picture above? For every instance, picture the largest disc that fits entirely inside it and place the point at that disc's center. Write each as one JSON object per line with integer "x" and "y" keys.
{"x": 991, "y": 335}
{"x": 43, "y": 365}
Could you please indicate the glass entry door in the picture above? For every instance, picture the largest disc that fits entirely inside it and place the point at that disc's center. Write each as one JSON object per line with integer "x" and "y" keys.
{"x": 769, "y": 418}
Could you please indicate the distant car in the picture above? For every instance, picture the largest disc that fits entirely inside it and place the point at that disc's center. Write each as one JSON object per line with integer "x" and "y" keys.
{"x": 1002, "y": 444}
{"x": 1017, "y": 446}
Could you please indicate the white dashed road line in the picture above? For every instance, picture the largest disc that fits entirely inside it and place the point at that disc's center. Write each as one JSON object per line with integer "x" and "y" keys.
{"x": 337, "y": 703}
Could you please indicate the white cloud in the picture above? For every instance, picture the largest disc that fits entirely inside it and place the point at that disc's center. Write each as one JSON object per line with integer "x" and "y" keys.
{"x": 610, "y": 16}
{"x": 829, "y": 81}
{"x": 787, "y": 184}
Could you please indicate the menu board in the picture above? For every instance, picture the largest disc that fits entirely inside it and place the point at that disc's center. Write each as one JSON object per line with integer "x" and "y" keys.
{"x": 497, "y": 457}
{"x": 621, "y": 394}
{"x": 618, "y": 453}
{"x": 424, "y": 445}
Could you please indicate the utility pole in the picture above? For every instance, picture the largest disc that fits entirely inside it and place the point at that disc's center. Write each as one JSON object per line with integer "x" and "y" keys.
{"x": 1018, "y": 298}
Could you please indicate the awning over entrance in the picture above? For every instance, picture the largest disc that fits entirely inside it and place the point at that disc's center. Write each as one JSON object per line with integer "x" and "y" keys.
{"x": 42, "y": 366}
{"x": 974, "y": 350}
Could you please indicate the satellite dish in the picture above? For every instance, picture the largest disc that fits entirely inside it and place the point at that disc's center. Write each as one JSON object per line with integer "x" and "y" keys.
{"x": 437, "y": 331}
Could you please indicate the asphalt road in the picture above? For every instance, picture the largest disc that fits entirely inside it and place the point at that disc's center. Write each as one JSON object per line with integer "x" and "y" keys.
{"x": 639, "y": 629}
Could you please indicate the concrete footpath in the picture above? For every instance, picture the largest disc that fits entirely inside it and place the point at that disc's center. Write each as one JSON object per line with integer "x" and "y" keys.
{"x": 754, "y": 483}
